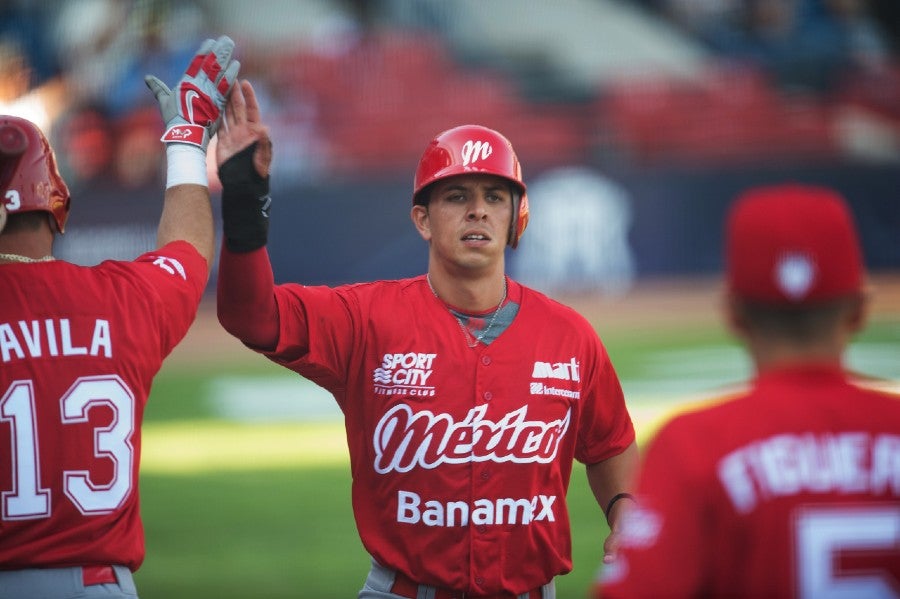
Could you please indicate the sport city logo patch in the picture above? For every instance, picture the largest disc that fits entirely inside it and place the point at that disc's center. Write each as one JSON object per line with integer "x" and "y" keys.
{"x": 405, "y": 374}
{"x": 561, "y": 371}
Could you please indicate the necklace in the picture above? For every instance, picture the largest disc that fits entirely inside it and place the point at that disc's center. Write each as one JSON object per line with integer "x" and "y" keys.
{"x": 467, "y": 333}
{"x": 26, "y": 259}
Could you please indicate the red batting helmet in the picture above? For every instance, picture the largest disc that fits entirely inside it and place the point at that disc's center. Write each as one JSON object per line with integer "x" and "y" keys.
{"x": 29, "y": 178}
{"x": 471, "y": 149}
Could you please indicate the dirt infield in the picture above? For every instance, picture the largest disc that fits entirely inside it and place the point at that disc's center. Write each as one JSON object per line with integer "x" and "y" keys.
{"x": 649, "y": 306}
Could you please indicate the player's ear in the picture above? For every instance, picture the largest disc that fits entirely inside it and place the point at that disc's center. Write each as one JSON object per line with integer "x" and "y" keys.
{"x": 419, "y": 216}
{"x": 858, "y": 312}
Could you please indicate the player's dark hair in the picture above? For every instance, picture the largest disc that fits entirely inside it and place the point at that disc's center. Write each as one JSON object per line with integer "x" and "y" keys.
{"x": 800, "y": 324}
{"x": 25, "y": 221}
{"x": 424, "y": 196}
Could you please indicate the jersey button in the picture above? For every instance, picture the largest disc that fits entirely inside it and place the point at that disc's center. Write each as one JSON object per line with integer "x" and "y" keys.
{"x": 488, "y": 396}
{"x": 485, "y": 475}
{"x": 486, "y": 360}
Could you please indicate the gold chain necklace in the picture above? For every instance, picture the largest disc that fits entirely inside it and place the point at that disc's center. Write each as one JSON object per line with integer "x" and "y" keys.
{"x": 466, "y": 332}
{"x": 26, "y": 259}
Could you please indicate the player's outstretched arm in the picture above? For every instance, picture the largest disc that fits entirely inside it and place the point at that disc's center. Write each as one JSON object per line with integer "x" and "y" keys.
{"x": 245, "y": 293}
{"x": 193, "y": 111}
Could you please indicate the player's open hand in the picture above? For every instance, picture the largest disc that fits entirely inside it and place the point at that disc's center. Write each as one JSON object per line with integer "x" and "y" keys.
{"x": 241, "y": 127}
{"x": 193, "y": 109}
{"x": 244, "y": 155}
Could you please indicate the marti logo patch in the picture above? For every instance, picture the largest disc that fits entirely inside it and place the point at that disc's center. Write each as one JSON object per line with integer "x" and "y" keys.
{"x": 405, "y": 374}
{"x": 560, "y": 371}
{"x": 564, "y": 371}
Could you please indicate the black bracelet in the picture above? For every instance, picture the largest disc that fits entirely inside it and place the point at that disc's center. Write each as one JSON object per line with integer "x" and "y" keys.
{"x": 613, "y": 501}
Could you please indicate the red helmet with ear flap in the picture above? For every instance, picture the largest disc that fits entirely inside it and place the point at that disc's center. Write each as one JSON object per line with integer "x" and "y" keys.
{"x": 29, "y": 178}
{"x": 472, "y": 149}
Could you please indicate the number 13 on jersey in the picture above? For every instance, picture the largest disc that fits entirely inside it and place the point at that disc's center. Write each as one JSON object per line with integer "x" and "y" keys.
{"x": 28, "y": 499}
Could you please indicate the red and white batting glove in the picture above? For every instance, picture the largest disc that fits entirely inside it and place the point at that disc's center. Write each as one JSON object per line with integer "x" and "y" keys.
{"x": 193, "y": 109}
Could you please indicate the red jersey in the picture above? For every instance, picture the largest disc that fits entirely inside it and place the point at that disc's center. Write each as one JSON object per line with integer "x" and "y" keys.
{"x": 79, "y": 347}
{"x": 460, "y": 456}
{"x": 789, "y": 490}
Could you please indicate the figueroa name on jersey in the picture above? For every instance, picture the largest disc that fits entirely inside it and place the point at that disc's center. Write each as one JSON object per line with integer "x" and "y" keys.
{"x": 788, "y": 464}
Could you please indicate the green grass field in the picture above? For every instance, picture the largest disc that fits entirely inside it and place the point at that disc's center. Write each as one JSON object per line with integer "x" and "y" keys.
{"x": 262, "y": 510}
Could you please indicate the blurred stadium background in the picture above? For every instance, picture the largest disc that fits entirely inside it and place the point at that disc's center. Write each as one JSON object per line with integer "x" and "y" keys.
{"x": 637, "y": 122}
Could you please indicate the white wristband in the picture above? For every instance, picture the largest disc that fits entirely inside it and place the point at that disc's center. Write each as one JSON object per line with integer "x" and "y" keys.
{"x": 186, "y": 164}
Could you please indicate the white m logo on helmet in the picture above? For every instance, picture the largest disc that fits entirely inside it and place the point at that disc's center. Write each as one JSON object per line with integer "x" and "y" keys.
{"x": 475, "y": 150}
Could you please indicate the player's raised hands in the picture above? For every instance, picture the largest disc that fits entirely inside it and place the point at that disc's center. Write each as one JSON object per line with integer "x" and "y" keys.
{"x": 193, "y": 109}
{"x": 242, "y": 126}
{"x": 244, "y": 154}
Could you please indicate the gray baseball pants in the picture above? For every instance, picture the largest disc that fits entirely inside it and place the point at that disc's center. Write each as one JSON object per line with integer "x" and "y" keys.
{"x": 63, "y": 583}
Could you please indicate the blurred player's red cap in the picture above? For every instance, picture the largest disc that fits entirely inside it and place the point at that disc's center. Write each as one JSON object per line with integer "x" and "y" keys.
{"x": 792, "y": 244}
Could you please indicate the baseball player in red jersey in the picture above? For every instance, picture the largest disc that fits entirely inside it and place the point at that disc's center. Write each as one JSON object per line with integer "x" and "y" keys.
{"x": 466, "y": 395}
{"x": 790, "y": 488}
{"x": 79, "y": 347}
